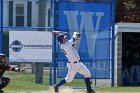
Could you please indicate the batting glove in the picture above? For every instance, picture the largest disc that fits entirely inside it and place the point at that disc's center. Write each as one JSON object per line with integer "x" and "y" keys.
{"x": 76, "y": 35}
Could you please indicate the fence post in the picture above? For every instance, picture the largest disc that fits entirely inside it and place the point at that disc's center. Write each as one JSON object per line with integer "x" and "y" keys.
{"x": 113, "y": 44}
{"x": 39, "y": 73}
{"x": 1, "y": 33}
{"x": 55, "y": 55}
{"x": 53, "y": 25}
{"x": 41, "y": 23}
{"x": 50, "y": 79}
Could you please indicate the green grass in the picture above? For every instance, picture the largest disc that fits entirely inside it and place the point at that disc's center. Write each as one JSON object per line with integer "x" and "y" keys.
{"x": 26, "y": 82}
{"x": 119, "y": 89}
{"x": 75, "y": 83}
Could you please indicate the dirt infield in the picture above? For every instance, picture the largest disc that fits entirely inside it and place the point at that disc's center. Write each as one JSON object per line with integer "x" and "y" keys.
{"x": 69, "y": 90}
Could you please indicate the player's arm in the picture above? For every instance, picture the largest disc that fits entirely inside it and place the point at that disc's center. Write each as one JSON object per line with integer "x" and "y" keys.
{"x": 76, "y": 37}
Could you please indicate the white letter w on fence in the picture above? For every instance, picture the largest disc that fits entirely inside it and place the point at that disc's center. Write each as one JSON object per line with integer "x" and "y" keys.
{"x": 86, "y": 23}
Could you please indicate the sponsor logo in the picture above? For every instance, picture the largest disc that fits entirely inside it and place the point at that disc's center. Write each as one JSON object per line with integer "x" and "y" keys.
{"x": 16, "y": 46}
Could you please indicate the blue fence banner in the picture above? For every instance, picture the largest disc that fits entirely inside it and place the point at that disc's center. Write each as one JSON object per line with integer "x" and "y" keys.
{"x": 0, "y": 12}
{"x": 92, "y": 20}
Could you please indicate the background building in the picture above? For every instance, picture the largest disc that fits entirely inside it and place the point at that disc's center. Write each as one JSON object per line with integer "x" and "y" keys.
{"x": 25, "y": 13}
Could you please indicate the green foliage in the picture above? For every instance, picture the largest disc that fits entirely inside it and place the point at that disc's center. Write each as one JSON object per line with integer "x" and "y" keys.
{"x": 129, "y": 4}
{"x": 127, "y": 11}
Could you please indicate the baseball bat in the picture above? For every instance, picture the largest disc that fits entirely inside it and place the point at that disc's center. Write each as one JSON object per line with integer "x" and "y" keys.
{"x": 60, "y": 32}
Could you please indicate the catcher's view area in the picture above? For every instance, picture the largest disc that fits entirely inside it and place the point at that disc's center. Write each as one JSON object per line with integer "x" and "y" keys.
{"x": 4, "y": 81}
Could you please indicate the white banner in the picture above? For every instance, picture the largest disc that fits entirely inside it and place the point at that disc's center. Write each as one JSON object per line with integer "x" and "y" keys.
{"x": 30, "y": 46}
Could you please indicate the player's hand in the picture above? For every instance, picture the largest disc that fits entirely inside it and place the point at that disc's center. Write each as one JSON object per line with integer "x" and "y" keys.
{"x": 76, "y": 35}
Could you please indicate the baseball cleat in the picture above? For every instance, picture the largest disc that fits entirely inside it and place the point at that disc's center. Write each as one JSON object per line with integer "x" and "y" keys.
{"x": 92, "y": 91}
{"x": 56, "y": 89}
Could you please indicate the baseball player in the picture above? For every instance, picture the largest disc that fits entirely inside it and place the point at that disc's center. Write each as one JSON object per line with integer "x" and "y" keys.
{"x": 4, "y": 81}
{"x": 73, "y": 64}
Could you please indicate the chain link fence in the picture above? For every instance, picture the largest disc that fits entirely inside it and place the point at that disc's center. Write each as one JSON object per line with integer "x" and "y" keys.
{"x": 35, "y": 15}
{"x": 37, "y": 72}
{"x": 26, "y": 16}
{"x": 101, "y": 59}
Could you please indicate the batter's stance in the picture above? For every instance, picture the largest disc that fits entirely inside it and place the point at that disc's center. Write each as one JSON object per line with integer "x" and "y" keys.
{"x": 73, "y": 63}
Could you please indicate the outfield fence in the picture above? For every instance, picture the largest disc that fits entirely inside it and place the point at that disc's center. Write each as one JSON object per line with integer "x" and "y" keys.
{"x": 93, "y": 18}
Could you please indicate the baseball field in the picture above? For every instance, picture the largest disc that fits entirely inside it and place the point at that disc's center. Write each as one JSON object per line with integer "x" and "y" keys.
{"x": 24, "y": 83}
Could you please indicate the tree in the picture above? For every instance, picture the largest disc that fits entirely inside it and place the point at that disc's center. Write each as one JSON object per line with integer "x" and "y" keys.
{"x": 127, "y": 11}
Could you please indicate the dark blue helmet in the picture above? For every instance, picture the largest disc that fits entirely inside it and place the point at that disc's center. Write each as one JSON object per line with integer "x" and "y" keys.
{"x": 60, "y": 37}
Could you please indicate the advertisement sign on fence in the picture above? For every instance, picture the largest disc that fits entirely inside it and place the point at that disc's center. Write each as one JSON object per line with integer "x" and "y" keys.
{"x": 30, "y": 46}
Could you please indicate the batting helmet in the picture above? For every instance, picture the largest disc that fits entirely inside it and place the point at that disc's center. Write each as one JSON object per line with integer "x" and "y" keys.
{"x": 60, "y": 38}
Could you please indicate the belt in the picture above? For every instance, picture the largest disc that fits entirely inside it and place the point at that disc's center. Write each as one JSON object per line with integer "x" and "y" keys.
{"x": 74, "y": 62}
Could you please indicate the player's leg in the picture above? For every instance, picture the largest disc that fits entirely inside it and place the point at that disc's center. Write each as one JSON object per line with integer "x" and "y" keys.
{"x": 62, "y": 81}
{"x": 85, "y": 71}
{"x": 4, "y": 82}
{"x": 69, "y": 77}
